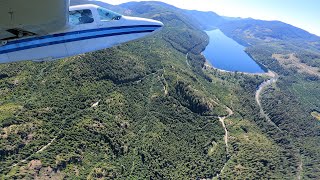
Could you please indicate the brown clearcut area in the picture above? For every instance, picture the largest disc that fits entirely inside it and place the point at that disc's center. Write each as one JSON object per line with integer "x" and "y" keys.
{"x": 291, "y": 61}
{"x": 37, "y": 170}
{"x": 316, "y": 115}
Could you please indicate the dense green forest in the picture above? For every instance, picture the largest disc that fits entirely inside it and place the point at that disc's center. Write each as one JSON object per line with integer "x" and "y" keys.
{"x": 150, "y": 110}
{"x": 291, "y": 101}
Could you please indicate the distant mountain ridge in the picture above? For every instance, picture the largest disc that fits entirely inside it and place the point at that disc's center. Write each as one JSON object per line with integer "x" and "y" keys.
{"x": 260, "y": 29}
{"x": 268, "y": 29}
{"x": 204, "y": 20}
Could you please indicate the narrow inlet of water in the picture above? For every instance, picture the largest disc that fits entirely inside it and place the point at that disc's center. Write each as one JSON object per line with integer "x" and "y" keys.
{"x": 226, "y": 54}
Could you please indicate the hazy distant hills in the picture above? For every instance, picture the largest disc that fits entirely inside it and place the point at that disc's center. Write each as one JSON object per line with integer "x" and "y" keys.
{"x": 251, "y": 29}
{"x": 259, "y": 31}
{"x": 272, "y": 29}
{"x": 205, "y": 20}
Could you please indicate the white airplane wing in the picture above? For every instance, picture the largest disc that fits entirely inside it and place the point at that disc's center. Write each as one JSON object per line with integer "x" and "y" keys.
{"x": 32, "y": 17}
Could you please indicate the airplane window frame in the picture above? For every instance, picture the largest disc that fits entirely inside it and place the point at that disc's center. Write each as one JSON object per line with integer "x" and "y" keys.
{"x": 108, "y": 15}
{"x": 77, "y": 17}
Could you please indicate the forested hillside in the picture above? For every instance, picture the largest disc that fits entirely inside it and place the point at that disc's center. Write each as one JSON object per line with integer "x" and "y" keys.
{"x": 150, "y": 109}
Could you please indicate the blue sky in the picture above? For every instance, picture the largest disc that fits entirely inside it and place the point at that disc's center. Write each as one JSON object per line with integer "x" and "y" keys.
{"x": 304, "y": 14}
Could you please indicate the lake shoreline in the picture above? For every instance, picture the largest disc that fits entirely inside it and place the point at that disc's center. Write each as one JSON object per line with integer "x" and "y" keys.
{"x": 227, "y": 55}
{"x": 207, "y": 65}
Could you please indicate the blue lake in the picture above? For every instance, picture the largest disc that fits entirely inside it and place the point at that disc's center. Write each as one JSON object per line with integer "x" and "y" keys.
{"x": 226, "y": 54}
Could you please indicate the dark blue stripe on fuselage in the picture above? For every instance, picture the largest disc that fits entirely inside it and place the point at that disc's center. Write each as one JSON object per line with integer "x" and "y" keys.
{"x": 71, "y": 40}
{"x": 80, "y": 32}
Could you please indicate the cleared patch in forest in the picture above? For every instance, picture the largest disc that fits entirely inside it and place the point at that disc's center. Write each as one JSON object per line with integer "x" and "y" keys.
{"x": 316, "y": 115}
{"x": 291, "y": 61}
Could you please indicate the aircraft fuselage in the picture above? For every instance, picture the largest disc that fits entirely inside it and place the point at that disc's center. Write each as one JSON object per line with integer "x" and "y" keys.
{"x": 90, "y": 28}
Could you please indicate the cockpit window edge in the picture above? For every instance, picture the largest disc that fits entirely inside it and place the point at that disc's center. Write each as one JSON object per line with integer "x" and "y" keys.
{"x": 107, "y": 15}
